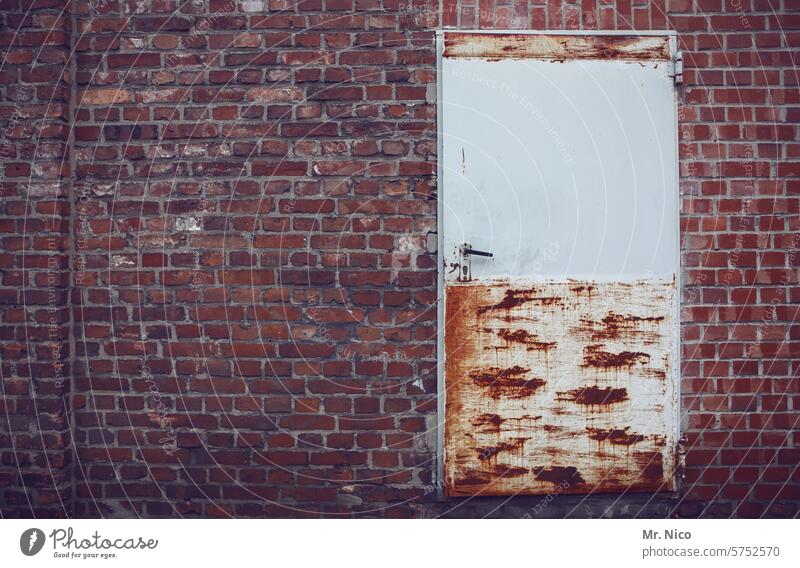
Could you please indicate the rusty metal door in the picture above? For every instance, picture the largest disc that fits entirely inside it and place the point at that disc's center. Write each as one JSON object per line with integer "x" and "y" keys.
{"x": 558, "y": 251}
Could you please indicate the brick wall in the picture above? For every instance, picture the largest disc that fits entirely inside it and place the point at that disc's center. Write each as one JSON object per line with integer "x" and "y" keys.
{"x": 252, "y": 296}
{"x": 35, "y": 441}
{"x": 253, "y": 331}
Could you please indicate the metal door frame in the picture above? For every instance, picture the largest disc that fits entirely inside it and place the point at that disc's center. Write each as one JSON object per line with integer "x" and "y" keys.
{"x": 438, "y": 473}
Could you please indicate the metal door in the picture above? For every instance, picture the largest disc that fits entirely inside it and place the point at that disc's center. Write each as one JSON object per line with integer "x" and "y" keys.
{"x": 559, "y": 352}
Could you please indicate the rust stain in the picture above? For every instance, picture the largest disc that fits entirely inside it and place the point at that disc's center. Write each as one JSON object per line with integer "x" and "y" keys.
{"x": 623, "y": 327}
{"x": 559, "y": 475}
{"x": 594, "y": 356}
{"x": 491, "y": 421}
{"x": 528, "y": 417}
{"x": 555, "y": 47}
{"x": 509, "y": 471}
{"x": 660, "y": 374}
{"x": 617, "y": 320}
{"x": 530, "y": 340}
{"x": 595, "y": 396}
{"x": 516, "y": 298}
{"x": 472, "y": 477}
{"x": 651, "y": 465}
{"x": 512, "y": 299}
{"x": 618, "y": 437}
{"x": 582, "y": 289}
{"x": 509, "y": 382}
{"x": 491, "y": 451}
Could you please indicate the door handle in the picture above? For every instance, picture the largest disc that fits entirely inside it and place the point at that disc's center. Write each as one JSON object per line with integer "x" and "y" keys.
{"x": 468, "y": 251}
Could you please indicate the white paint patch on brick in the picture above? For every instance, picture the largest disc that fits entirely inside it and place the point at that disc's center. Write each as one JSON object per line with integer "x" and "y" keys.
{"x": 161, "y": 152}
{"x": 431, "y": 242}
{"x": 253, "y": 6}
{"x": 193, "y": 150}
{"x": 189, "y": 224}
{"x": 43, "y": 190}
{"x": 102, "y": 189}
{"x": 122, "y": 261}
{"x": 430, "y": 93}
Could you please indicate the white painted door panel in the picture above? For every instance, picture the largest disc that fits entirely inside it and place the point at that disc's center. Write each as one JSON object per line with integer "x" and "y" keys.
{"x": 576, "y": 155}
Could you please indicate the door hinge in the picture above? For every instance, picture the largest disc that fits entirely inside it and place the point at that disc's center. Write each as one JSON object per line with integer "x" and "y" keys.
{"x": 677, "y": 68}
{"x": 680, "y": 459}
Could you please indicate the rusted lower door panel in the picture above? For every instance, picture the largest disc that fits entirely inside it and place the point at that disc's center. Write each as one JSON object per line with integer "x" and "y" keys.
{"x": 566, "y": 386}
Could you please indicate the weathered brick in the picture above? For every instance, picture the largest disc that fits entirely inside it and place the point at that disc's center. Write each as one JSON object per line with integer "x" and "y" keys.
{"x": 105, "y": 96}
